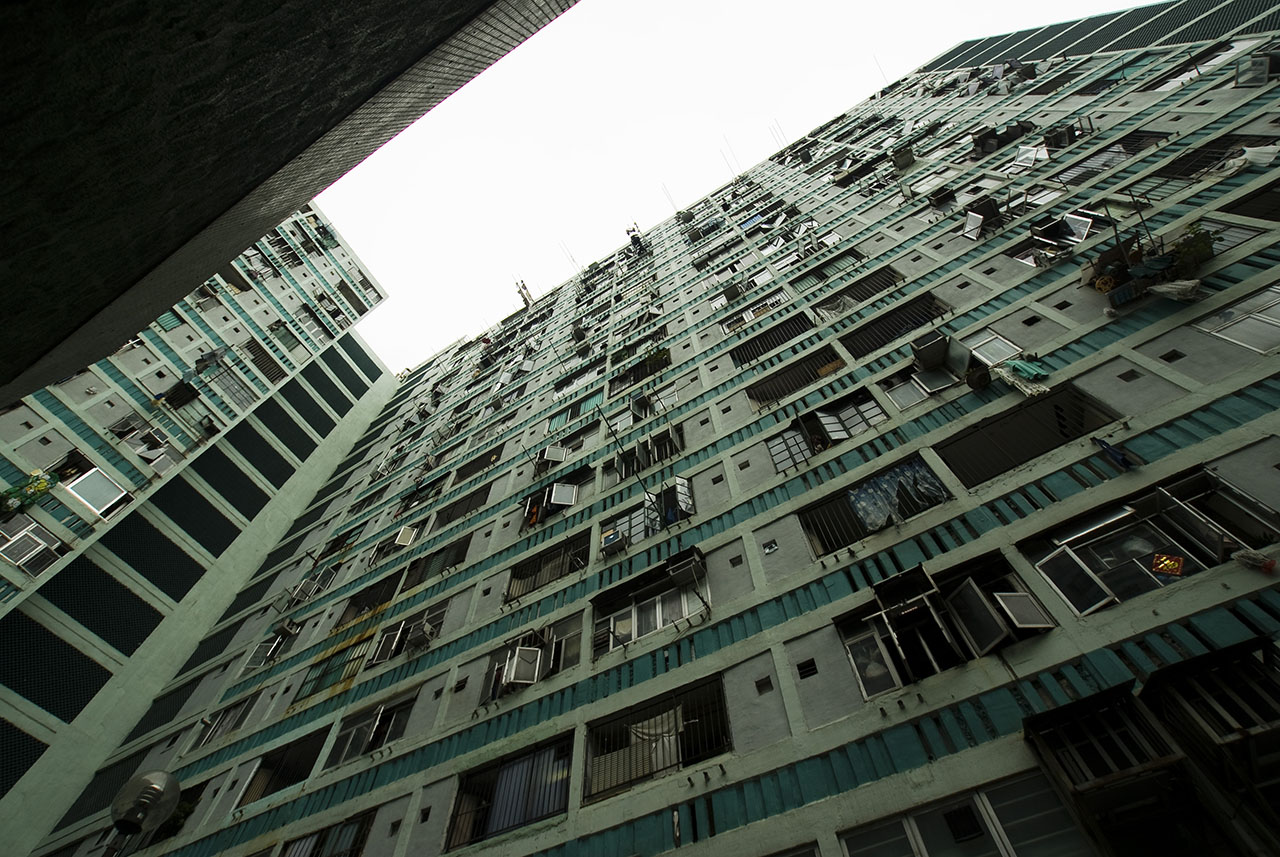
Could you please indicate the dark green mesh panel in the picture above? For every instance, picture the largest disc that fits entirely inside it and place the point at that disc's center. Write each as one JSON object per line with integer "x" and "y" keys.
{"x": 350, "y": 379}
{"x": 360, "y": 357}
{"x": 246, "y": 440}
{"x": 102, "y": 604}
{"x": 211, "y": 646}
{"x": 150, "y": 553}
{"x": 230, "y": 481}
{"x": 285, "y": 428}
{"x": 195, "y": 515}
{"x": 323, "y": 384}
{"x": 42, "y": 667}
{"x": 307, "y": 407}
{"x": 18, "y": 752}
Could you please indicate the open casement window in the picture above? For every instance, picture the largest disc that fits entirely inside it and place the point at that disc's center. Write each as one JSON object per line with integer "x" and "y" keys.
{"x": 90, "y": 485}
{"x": 28, "y": 545}
{"x": 146, "y": 442}
{"x": 344, "y": 839}
{"x": 922, "y": 624}
{"x": 683, "y": 728}
{"x": 511, "y": 793}
{"x": 1017, "y": 817}
{"x": 411, "y": 634}
{"x": 225, "y": 721}
{"x": 673, "y": 593}
{"x": 886, "y": 499}
{"x": 273, "y": 647}
{"x": 1179, "y": 529}
{"x": 823, "y": 428}
{"x": 556, "y": 497}
{"x": 367, "y": 731}
{"x": 638, "y": 524}
{"x": 533, "y": 656}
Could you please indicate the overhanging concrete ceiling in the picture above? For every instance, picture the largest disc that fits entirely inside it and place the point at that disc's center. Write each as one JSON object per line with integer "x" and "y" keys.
{"x": 145, "y": 144}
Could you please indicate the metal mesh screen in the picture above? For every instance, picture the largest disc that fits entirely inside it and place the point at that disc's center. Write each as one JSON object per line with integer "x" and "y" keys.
{"x": 323, "y": 384}
{"x": 246, "y": 440}
{"x": 196, "y": 516}
{"x": 61, "y": 680}
{"x": 225, "y": 477}
{"x": 150, "y": 553}
{"x": 307, "y": 407}
{"x": 102, "y": 604}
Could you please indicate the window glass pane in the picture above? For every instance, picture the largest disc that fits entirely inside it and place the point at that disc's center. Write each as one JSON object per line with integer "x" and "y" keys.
{"x": 1034, "y": 820}
{"x": 872, "y": 666}
{"x": 1252, "y": 333}
{"x": 906, "y": 395}
{"x": 672, "y": 607}
{"x": 96, "y": 489}
{"x": 1077, "y": 586}
{"x": 622, "y": 628}
{"x": 646, "y": 617}
{"x": 884, "y": 840}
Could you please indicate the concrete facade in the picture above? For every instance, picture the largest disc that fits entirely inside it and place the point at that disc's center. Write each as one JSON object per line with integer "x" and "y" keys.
{"x": 180, "y": 461}
{"x": 152, "y": 145}
{"x": 876, "y": 504}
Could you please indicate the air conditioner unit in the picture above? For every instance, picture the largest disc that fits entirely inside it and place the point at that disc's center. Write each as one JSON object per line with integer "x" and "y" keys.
{"x": 612, "y": 541}
{"x": 406, "y": 536}
{"x": 561, "y": 494}
{"x": 553, "y": 453}
{"x": 419, "y": 635}
{"x": 287, "y": 628}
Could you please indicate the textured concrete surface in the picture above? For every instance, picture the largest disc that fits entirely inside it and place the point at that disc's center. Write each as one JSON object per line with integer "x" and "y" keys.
{"x": 146, "y": 143}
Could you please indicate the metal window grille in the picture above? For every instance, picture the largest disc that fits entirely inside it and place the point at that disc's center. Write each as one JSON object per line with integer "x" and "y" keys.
{"x": 516, "y": 791}
{"x": 461, "y": 507}
{"x": 1101, "y": 161}
{"x": 862, "y": 289}
{"x": 1010, "y": 439}
{"x": 890, "y": 497}
{"x": 264, "y": 362}
{"x": 893, "y": 325}
{"x": 341, "y": 665}
{"x": 684, "y": 728}
{"x": 344, "y": 839}
{"x": 795, "y": 376}
{"x": 774, "y": 337}
{"x": 549, "y": 566}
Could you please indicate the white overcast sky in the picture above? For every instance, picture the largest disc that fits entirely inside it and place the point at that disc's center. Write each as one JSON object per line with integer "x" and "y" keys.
{"x": 574, "y": 135}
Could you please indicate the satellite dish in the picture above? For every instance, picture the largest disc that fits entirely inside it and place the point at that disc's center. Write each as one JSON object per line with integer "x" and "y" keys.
{"x": 145, "y": 802}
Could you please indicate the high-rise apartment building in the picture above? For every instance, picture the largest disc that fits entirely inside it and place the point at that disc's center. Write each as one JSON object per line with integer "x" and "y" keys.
{"x": 145, "y": 489}
{"x": 916, "y": 494}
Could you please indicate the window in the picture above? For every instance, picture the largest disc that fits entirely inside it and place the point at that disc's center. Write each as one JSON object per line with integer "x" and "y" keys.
{"x": 460, "y": 508}
{"x": 667, "y": 506}
{"x": 28, "y": 545}
{"x": 824, "y": 428}
{"x": 1019, "y": 817}
{"x": 367, "y": 731}
{"x": 1177, "y": 530}
{"x": 411, "y": 634}
{"x": 1253, "y": 322}
{"x": 552, "y": 564}
{"x": 342, "y": 665}
{"x": 224, "y": 722}
{"x": 885, "y": 328}
{"x": 344, "y": 839}
{"x": 1104, "y": 159}
{"x": 436, "y": 562}
{"x": 556, "y": 497}
{"x": 888, "y": 498}
{"x": 273, "y": 647}
{"x": 288, "y": 341}
{"x": 91, "y": 486}
{"x": 795, "y": 376}
{"x": 774, "y": 337}
{"x": 862, "y": 289}
{"x": 284, "y": 767}
{"x": 1017, "y": 436}
{"x": 759, "y": 309}
{"x": 923, "y": 624}
{"x": 676, "y": 591}
{"x": 370, "y": 598}
{"x": 989, "y": 347}
{"x": 533, "y": 656}
{"x": 511, "y": 793}
{"x": 684, "y": 728}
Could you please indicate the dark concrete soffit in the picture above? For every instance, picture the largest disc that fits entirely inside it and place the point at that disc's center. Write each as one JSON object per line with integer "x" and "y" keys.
{"x": 146, "y": 144}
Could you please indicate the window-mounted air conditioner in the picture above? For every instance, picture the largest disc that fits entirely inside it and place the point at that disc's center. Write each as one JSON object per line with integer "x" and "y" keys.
{"x": 419, "y": 635}
{"x": 561, "y": 494}
{"x": 553, "y": 453}
{"x": 287, "y": 628}
{"x": 613, "y": 541}
{"x": 406, "y": 536}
